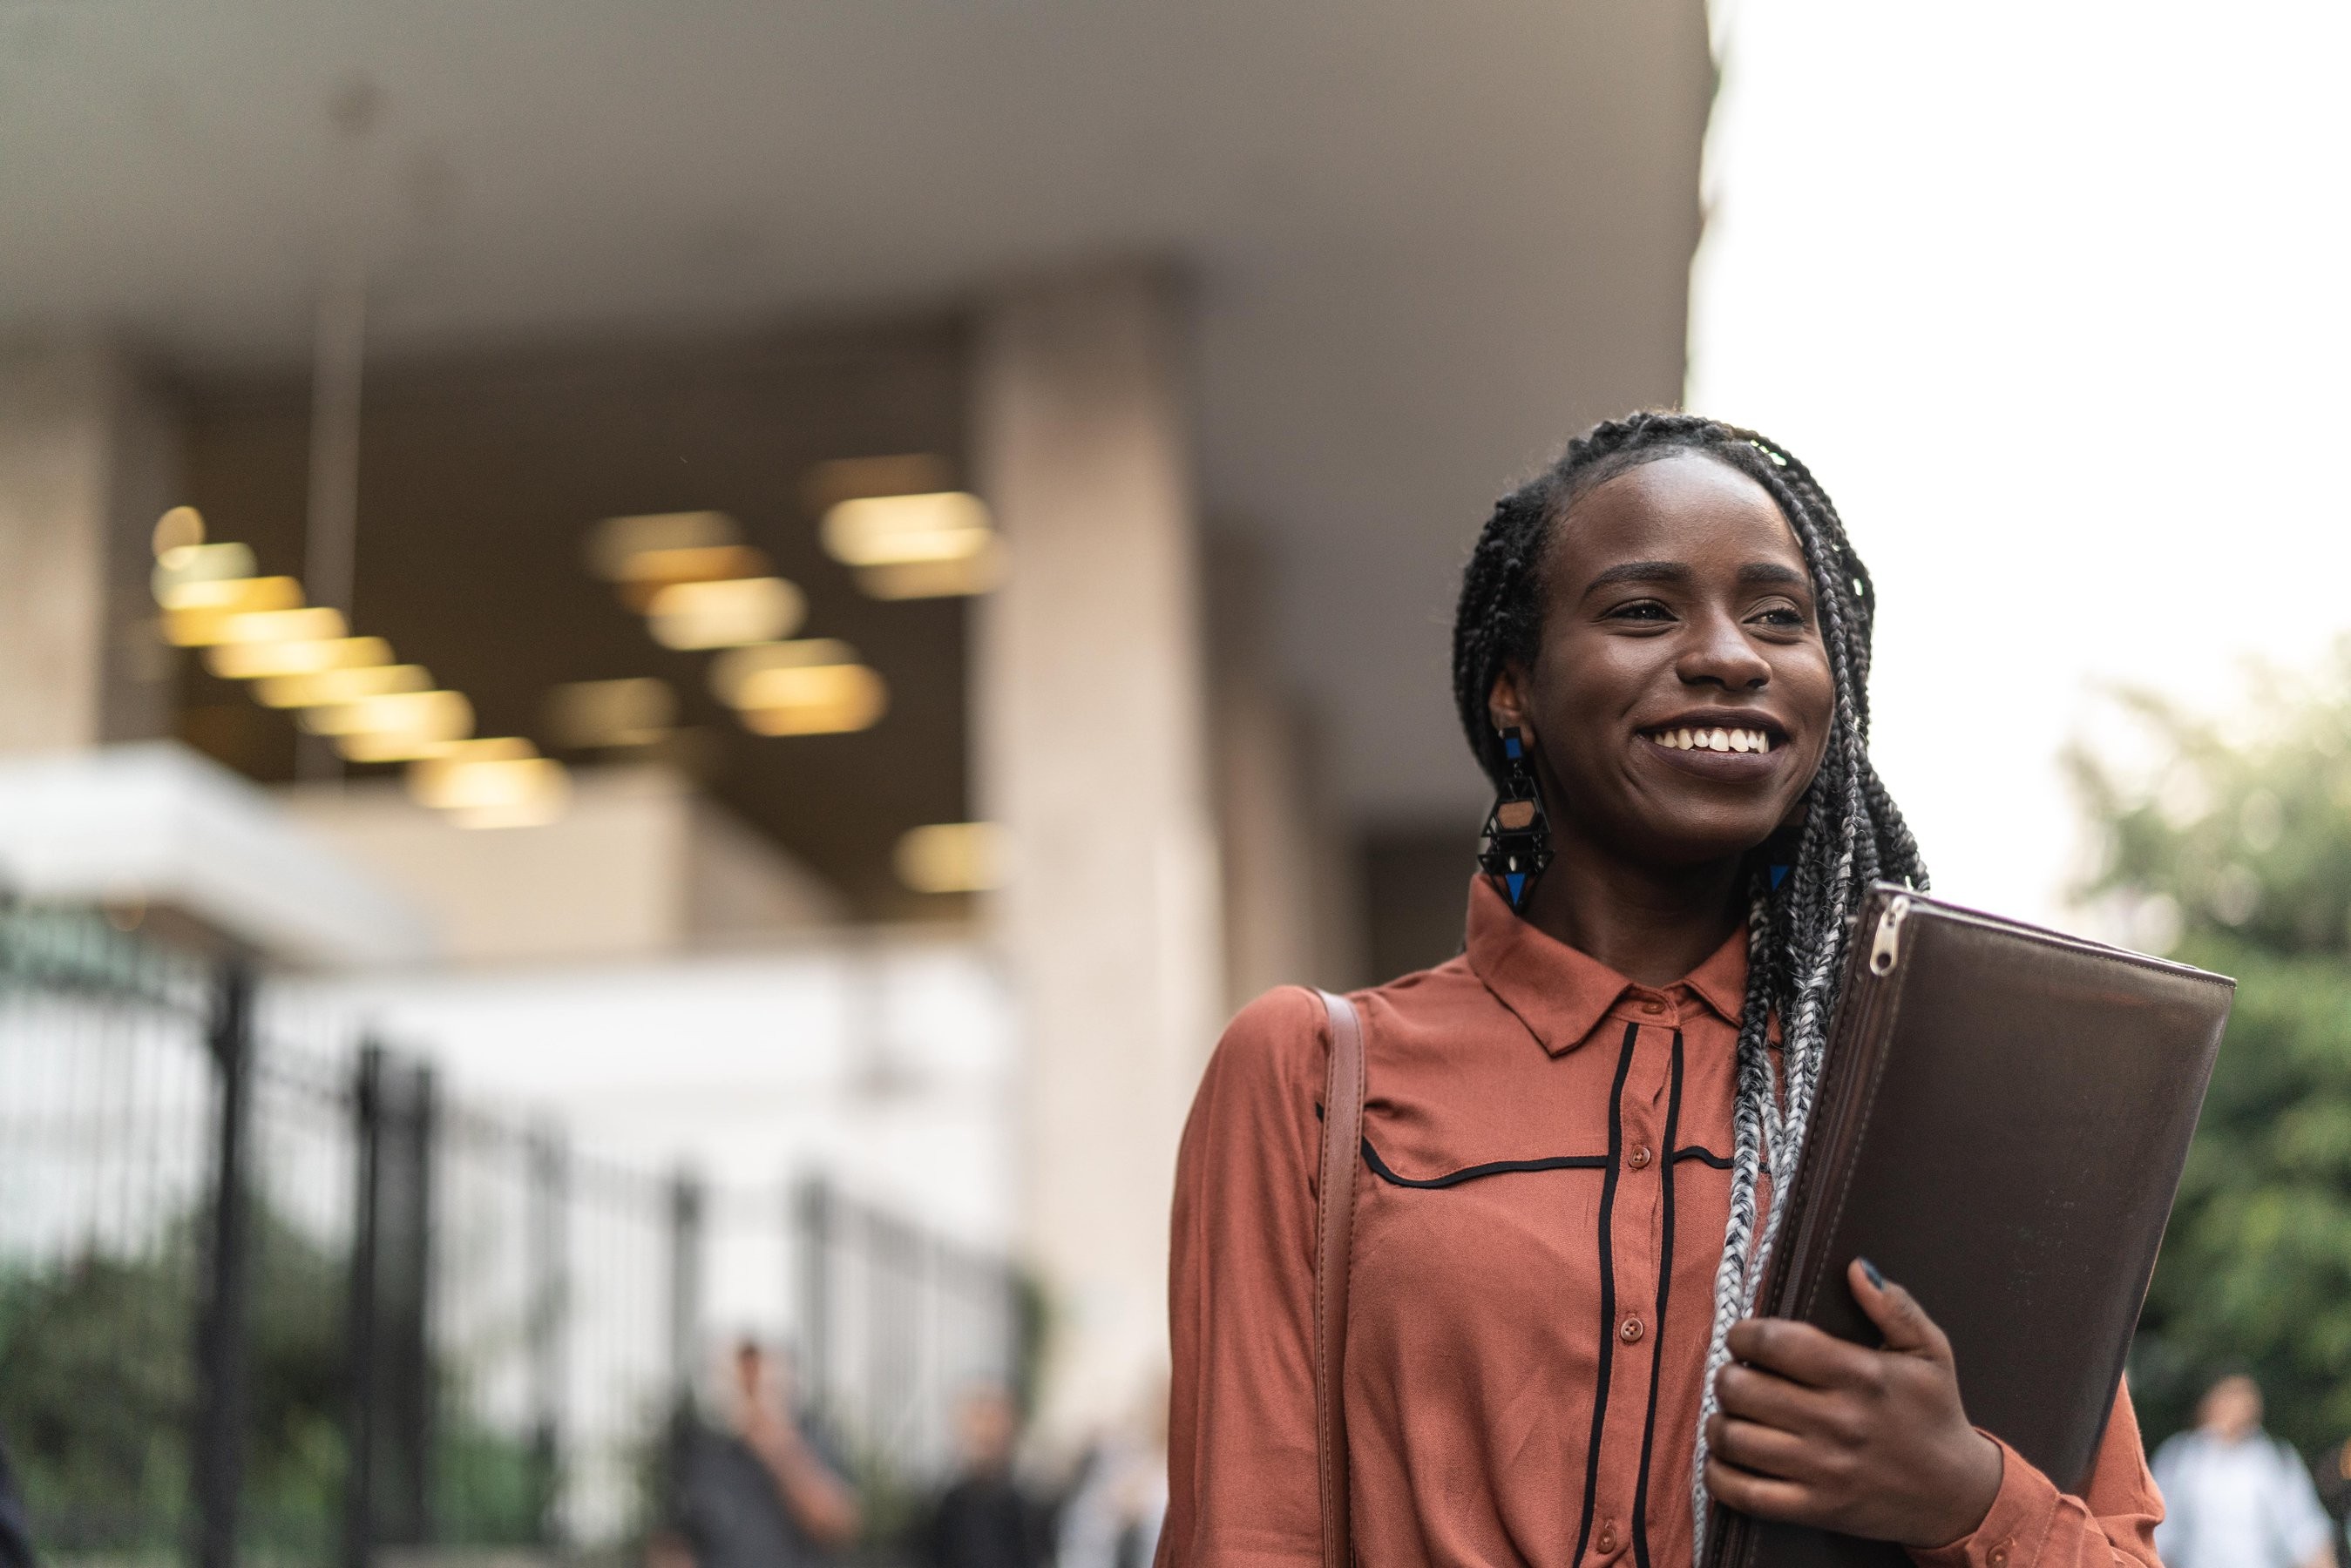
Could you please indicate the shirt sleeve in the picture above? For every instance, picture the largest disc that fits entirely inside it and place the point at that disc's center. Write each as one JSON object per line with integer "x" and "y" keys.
{"x": 2032, "y": 1524}
{"x": 1242, "y": 1479}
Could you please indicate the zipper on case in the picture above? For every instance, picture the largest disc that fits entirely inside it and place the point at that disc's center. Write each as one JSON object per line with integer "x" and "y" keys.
{"x": 1886, "y": 948}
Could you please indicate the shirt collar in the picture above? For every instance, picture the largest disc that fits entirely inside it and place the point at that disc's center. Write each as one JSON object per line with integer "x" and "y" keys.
{"x": 1561, "y": 994}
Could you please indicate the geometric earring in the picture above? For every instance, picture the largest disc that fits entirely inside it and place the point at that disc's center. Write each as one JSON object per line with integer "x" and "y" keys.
{"x": 1516, "y": 844}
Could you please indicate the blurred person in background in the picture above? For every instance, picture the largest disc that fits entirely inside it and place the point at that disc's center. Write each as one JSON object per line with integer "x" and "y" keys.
{"x": 766, "y": 1493}
{"x": 1660, "y": 660}
{"x": 2235, "y": 1496}
{"x": 986, "y": 1519}
{"x": 1118, "y": 1502}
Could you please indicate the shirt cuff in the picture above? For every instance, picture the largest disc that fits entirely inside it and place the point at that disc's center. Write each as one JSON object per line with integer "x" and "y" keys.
{"x": 2010, "y": 1533}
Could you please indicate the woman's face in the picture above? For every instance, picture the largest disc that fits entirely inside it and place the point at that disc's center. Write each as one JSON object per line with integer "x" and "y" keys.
{"x": 1676, "y": 608}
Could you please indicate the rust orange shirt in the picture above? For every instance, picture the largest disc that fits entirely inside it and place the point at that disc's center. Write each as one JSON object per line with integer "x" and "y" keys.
{"x": 1538, "y": 1214}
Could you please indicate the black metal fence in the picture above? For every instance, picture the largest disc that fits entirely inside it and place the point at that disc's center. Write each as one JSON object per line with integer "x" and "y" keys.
{"x": 265, "y": 1300}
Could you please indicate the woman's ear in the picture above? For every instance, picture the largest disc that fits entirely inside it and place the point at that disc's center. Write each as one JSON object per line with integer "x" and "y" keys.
{"x": 1506, "y": 704}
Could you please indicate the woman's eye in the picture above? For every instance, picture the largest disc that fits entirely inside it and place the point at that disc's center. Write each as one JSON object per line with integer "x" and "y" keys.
{"x": 1641, "y": 610}
{"x": 1782, "y": 615}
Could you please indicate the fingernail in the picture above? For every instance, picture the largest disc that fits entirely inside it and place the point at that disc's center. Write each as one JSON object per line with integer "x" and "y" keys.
{"x": 1869, "y": 1271}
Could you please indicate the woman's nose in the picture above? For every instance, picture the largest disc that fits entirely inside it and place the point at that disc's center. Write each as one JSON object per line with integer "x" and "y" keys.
{"x": 1719, "y": 654}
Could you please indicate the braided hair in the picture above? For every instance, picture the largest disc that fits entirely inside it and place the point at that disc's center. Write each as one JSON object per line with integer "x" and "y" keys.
{"x": 1852, "y": 833}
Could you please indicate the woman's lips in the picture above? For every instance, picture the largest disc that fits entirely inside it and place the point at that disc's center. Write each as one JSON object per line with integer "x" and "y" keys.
{"x": 1717, "y": 752}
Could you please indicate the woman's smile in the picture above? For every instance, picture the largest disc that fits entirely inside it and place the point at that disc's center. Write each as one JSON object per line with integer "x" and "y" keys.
{"x": 1729, "y": 746}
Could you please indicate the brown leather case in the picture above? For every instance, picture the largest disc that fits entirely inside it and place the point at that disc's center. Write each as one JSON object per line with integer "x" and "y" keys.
{"x": 2001, "y": 1120}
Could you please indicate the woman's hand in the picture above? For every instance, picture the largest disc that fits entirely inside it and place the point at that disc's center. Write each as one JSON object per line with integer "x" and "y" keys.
{"x": 1815, "y": 1431}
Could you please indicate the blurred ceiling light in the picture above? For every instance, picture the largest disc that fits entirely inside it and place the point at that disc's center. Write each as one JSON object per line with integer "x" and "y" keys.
{"x": 177, "y": 529}
{"x": 724, "y": 614}
{"x": 320, "y": 623}
{"x": 812, "y": 699}
{"x": 890, "y": 530}
{"x": 491, "y": 791}
{"x": 232, "y": 596}
{"x": 587, "y": 714}
{"x": 435, "y": 715}
{"x": 181, "y": 564}
{"x": 645, "y": 573}
{"x": 952, "y": 857}
{"x": 906, "y": 474}
{"x": 731, "y": 668}
{"x": 201, "y": 626}
{"x": 977, "y": 573}
{"x": 616, "y": 541}
{"x": 319, "y": 687}
{"x": 304, "y": 656}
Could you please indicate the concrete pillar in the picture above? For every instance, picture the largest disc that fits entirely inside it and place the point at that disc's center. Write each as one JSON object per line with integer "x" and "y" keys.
{"x": 1091, "y": 752}
{"x": 89, "y": 459}
{"x": 1292, "y": 911}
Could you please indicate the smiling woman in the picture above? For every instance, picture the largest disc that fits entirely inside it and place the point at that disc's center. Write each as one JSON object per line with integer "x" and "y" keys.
{"x": 1572, "y": 1132}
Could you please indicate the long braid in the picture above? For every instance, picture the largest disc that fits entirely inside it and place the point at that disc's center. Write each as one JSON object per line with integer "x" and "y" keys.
{"x": 1853, "y": 834}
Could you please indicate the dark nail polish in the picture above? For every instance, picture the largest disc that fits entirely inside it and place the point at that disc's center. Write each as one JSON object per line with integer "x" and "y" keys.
{"x": 1869, "y": 1271}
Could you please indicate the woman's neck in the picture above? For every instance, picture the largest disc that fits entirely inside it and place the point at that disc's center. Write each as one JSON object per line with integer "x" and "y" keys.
{"x": 1651, "y": 924}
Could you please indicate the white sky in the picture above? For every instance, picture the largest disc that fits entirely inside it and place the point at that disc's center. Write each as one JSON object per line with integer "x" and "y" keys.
{"x": 2051, "y": 296}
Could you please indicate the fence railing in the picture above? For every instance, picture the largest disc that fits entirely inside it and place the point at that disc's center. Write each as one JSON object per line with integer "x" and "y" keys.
{"x": 272, "y": 1299}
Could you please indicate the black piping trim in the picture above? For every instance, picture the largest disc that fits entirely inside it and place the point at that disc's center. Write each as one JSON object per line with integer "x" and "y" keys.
{"x": 1657, "y": 1328}
{"x": 1704, "y": 1157}
{"x": 1607, "y": 1355}
{"x": 1472, "y": 1172}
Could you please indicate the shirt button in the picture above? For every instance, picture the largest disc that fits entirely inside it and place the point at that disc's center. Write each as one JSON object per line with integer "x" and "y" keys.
{"x": 1607, "y": 1542}
{"x": 1629, "y": 1331}
{"x": 1653, "y": 1005}
{"x": 1998, "y": 1555}
{"x": 1640, "y": 1156}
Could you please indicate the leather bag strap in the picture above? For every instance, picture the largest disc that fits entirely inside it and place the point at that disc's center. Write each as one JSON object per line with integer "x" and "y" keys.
{"x": 1334, "y": 1224}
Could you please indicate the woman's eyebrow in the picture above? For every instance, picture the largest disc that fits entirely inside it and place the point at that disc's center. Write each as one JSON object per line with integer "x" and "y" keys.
{"x": 1772, "y": 572}
{"x": 1640, "y": 572}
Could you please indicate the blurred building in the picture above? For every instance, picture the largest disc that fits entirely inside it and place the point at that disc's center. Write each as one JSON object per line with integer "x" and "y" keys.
{"x": 1233, "y": 320}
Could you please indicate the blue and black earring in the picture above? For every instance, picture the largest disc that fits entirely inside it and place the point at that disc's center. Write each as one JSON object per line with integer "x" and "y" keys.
{"x": 1516, "y": 844}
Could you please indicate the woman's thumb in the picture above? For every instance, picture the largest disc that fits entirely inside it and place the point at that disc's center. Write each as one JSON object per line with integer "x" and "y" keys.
{"x": 1896, "y": 1313}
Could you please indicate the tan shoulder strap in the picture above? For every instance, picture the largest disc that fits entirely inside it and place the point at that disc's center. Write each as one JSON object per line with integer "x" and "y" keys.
{"x": 1343, "y": 1135}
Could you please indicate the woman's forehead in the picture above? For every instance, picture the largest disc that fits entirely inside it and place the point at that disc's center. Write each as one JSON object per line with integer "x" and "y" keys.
{"x": 1683, "y": 506}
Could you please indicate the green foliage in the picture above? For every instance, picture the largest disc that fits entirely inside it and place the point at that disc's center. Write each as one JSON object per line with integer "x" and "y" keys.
{"x": 2234, "y": 850}
{"x": 97, "y": 1392}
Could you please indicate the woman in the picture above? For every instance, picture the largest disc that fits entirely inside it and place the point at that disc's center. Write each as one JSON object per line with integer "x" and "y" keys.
{"x": 1573, "y": 1128}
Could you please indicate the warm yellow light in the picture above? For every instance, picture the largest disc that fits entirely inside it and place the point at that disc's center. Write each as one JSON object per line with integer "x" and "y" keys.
{"x": 813, "y": 700}
{"x": 616, "y": 541}
{"x": 977, "y": 573}
{"x": 306, "y": 655}
{"x": 724, "y": 614}
{"x": 204, "y": 624}
{"x": 635, "y": 712}
{"x": 731, "y": 668}
{"x": 487, "y": 783}
{"x": 647, "y": 573}
{"x": 316, "y": 690}
{"x": 952, "y": 857}
{"x": 318, "y": 624}
{"x": 181, "y": 565}
{"x": 888, "y": 530}
{"x": 233, "y": 596}
{"x": 177, "y": 529}
{"x": 387, "y": 748}
{"x": 435, "y": 715}
{"x": 902, "y": 473}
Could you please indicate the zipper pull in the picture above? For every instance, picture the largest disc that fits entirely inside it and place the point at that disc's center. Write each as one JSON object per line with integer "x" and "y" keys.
{"x": 1886, "y": 948}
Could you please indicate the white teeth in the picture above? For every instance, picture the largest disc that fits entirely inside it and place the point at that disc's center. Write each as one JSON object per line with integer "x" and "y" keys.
{"x": 1714, "y": 740}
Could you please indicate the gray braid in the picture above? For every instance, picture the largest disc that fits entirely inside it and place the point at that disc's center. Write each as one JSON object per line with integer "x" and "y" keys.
{"x": 1853, "y": 834}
